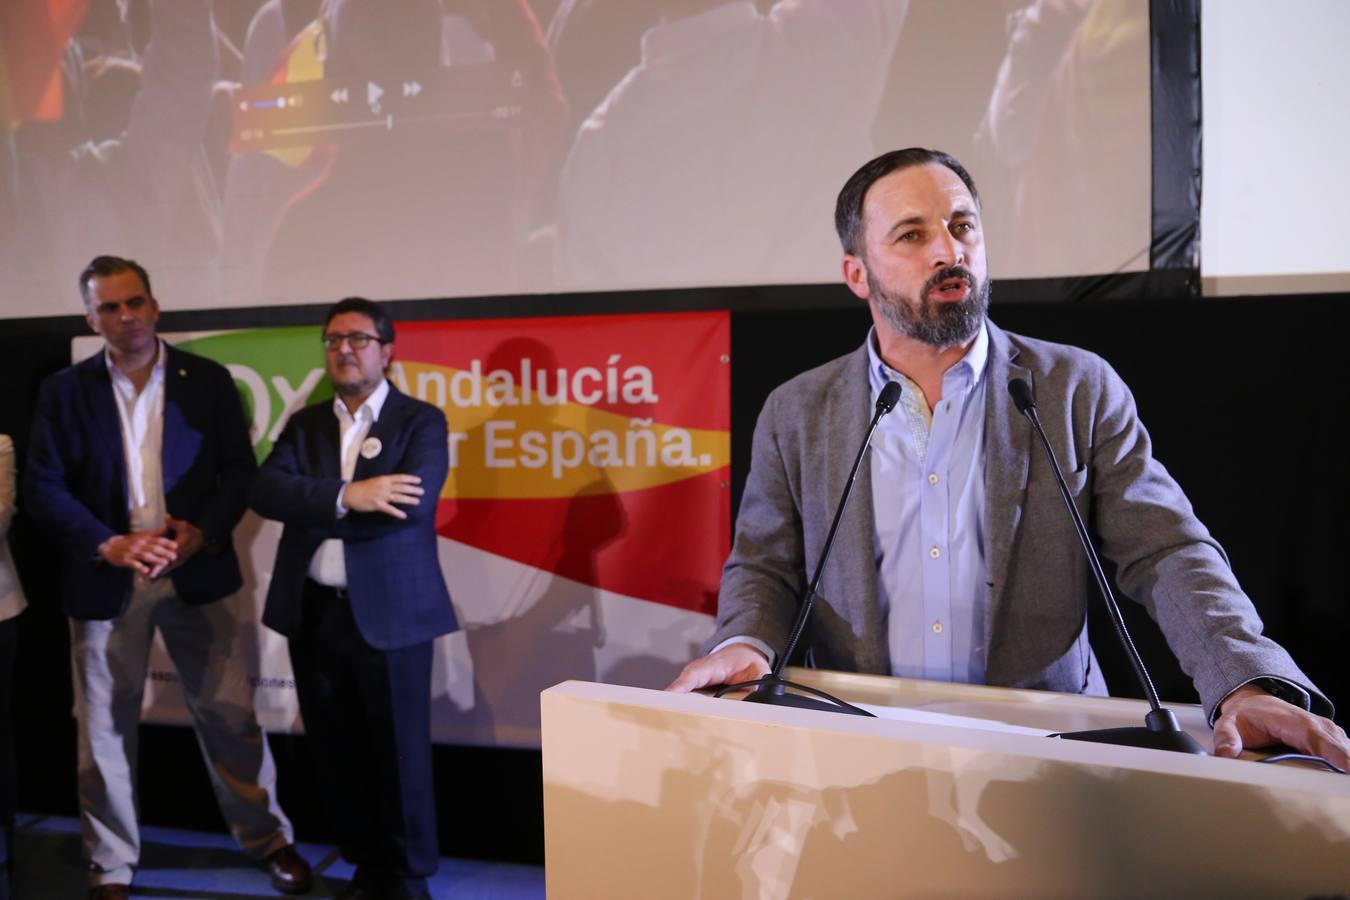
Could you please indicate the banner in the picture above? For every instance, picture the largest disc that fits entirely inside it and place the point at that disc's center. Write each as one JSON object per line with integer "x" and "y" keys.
{"x": 582, "y": 527}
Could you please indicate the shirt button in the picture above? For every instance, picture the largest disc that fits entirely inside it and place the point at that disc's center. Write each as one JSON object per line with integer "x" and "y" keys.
{"x": 935, "y": 553}
{"x": 937, "y": 628}
{"x": 933, "y": 479}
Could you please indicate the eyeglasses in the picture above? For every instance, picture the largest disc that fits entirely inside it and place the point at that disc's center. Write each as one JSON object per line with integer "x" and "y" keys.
{"x": 357, "y": 340}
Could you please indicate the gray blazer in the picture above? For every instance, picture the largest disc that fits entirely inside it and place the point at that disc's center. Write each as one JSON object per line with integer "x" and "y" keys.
{"x": 804, "y": 443}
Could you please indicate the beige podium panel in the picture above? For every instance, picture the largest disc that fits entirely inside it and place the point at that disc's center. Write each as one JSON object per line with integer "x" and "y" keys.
{"x": 954, "y": 792}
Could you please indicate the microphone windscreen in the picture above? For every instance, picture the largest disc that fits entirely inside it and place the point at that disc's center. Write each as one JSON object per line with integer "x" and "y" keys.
{"x": 1021, "y": 395}
{"x": 890, "y": 395}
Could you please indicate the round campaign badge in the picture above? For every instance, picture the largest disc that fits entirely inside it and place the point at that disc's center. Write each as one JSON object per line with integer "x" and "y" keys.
{"x": 370, "y": 448}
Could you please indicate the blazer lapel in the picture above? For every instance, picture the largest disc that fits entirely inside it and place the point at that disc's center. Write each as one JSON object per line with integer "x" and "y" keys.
{"x": 328, "y": 444}
{"x": 1007, "y": 456}
{"x": 176, "y": 389}
{"x": 98, "y": 397}
{"x": 855, "y": 553}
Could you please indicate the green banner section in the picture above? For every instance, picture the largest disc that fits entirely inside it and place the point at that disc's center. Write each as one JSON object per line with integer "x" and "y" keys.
{"x": 278, "y": 370}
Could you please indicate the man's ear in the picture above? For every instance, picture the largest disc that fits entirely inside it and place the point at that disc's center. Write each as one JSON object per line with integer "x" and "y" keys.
{"x": 855, "y": 276}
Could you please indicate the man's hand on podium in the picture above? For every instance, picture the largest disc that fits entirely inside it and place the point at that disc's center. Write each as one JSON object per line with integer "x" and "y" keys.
{"x": 732, "y": 664}
{"x": 1251, "y": 718}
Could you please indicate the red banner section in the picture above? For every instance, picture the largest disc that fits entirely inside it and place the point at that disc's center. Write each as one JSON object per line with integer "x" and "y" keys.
{"x": 584, "y": 448}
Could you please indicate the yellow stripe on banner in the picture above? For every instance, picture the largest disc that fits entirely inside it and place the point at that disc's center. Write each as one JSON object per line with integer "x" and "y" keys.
{"x": 505, "y": 448}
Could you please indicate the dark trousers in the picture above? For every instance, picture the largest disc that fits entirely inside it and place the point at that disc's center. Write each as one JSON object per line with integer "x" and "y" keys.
{"x": 367, "y": 713}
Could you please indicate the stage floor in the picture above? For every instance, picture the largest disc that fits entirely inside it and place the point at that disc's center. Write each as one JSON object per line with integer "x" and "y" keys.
{"x": 189, "y": 864}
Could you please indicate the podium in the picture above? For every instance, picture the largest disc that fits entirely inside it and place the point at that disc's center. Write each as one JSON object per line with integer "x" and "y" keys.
{"x": 955, "y": 792}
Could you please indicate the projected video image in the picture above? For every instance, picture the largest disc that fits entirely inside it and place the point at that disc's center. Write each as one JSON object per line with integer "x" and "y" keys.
{"x": 262, "y": 152}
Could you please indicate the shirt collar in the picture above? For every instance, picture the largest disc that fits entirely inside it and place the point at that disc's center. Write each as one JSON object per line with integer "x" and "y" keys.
{"x": 978, "y": 354}
{"x": 156, "y": 371}
{"x": 974, "y": 362}
{"x": 374, "y": 403}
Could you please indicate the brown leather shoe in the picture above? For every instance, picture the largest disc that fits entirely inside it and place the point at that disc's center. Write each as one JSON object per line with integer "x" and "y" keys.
{"x": 110, "y": 892}
{"x": 290, "y": 873}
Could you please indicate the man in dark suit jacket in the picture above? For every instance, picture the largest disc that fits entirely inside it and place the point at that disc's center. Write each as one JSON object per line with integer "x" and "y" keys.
{"x": 358, "y": 590}
{"x": 139, "y": 466}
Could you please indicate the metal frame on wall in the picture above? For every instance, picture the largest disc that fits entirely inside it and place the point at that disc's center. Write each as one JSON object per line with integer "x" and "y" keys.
{"x": 1174, "y": 252}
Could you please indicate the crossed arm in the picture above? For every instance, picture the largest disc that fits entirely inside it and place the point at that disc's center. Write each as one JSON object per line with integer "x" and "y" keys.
{"x": 288, "y": 491}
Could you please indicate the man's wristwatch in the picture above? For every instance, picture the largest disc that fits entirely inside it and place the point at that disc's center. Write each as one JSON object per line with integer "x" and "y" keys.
{"x": 1277, "y": 688}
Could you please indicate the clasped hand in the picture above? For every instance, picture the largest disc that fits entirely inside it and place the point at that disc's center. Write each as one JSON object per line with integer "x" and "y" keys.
{"x": 153, "y": 553}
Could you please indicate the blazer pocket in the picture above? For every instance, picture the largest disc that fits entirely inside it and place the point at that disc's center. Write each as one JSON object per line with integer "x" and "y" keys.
{"x": 1077, "y": 479}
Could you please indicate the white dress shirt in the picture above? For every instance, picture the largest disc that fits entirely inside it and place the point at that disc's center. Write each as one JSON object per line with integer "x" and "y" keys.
{"x": 329, "y": 565}
{"x": 141, "y": 416}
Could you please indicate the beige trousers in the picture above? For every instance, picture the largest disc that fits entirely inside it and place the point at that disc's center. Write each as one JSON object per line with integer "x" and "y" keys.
{"x": 110, "y": 660}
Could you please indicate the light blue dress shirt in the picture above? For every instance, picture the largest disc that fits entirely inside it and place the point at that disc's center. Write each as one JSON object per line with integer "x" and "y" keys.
{"x": 927, "y": 470}
{"x": 929, "y": 516}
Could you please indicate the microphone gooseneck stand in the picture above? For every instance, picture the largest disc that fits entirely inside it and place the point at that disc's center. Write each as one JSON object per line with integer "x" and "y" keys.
{"x": 1160, "y": 731}
{"x": 772, "y": 688}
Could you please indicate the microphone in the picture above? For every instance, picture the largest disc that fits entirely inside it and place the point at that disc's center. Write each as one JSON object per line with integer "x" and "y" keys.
{"x": 772, "y": 688}
{"x": 890, "y": 395}
{"x": 1160, "y": 731}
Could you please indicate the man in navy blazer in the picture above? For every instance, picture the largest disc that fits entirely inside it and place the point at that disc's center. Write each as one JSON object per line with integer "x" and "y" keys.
{"x": 139, "y": 466}
{"x": 358, "y": 591}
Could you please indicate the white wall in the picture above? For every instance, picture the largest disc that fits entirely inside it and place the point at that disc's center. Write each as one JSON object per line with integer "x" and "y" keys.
{"x": 1275, "y": 213}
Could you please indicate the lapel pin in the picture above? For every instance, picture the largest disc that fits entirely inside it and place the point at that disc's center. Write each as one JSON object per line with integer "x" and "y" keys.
{"x": 182, "y": 373}
{"x": 371, "y": 447}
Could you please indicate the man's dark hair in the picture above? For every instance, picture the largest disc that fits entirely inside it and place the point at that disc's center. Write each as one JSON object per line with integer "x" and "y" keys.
{"x": 103, "y": 266}
{"x": 384, "y": 326}
{"x": 848, "y": 208}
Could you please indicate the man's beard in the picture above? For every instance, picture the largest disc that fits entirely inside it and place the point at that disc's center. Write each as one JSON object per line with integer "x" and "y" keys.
{"x": 934, "y": 322}
{"x": 357, "y": 388}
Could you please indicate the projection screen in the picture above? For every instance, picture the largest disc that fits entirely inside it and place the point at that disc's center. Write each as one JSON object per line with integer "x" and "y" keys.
{"x": 296, "y": 151}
